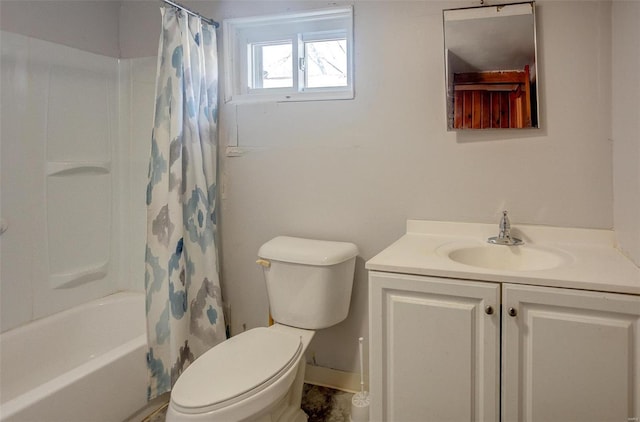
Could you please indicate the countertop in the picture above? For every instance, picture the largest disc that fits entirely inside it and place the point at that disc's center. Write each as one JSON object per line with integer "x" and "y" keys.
{"x": 590, "y": 260}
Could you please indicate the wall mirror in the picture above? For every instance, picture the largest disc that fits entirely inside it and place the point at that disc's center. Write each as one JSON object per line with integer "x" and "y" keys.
{"x": 490, "y": 63}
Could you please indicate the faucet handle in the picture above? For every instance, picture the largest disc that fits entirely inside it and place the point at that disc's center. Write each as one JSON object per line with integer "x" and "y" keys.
{"x": 505, "y": 224}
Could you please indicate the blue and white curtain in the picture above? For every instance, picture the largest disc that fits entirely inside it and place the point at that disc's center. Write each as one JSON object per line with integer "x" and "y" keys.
{"x": 183, "y": 298}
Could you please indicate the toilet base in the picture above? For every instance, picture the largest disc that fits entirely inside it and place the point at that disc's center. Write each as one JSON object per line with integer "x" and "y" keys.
{"x": 284, "y": 412}
{"x": 289, "y": 409}
{"x": 294, "y": 415}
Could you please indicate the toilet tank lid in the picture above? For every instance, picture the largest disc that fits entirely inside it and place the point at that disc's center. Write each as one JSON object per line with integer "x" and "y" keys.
{"x": 307, "y": 251}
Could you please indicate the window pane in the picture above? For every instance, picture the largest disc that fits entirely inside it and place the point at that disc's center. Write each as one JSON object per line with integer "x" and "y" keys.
{"x": 273, "y": 65}
{"x": 326, "y": 63}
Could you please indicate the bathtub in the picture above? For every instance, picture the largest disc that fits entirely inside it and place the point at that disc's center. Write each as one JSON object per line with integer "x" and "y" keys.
{"x": 85, "y": 364}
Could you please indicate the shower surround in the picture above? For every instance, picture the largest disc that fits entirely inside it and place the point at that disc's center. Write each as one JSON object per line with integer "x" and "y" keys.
{"x": 75, "y": 141}
{"x": 60, "y": 178}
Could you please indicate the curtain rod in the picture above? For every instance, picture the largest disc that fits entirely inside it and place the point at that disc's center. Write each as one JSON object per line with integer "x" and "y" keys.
{"x": 191, "y": 12}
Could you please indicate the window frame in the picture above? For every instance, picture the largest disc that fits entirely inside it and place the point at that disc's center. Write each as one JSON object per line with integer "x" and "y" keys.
{"x": 240, "y": 34}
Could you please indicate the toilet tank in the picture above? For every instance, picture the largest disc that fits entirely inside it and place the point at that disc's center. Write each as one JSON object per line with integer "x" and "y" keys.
{"x": 308, "y": 281}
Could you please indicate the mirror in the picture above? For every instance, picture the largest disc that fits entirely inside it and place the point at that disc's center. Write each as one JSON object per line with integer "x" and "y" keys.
{"x": 490, "y": 63}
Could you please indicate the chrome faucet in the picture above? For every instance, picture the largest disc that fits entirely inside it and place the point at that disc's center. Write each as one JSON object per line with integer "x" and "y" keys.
{"x": 504, "y": 236}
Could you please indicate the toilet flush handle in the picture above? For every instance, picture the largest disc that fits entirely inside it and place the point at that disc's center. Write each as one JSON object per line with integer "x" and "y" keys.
{"x": 263, "y": 262}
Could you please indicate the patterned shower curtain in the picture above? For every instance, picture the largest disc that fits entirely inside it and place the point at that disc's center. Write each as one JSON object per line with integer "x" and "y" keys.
{"x": 183, "y": 298}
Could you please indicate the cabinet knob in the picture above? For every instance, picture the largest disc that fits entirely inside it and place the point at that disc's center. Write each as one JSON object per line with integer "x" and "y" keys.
{"x": 488, "y": 310}
{"x": 512, "y": 312}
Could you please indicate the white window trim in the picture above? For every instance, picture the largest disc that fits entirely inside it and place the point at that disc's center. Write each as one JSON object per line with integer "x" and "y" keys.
{"x": 235, "y": 57}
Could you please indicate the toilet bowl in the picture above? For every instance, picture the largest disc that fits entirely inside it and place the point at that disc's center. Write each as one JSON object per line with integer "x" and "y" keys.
{"x": 258, "y": 375}
{"x": 252, "y": 374}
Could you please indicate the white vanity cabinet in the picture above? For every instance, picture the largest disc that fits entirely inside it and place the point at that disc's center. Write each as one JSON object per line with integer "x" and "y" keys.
{"x": 434, "y": 349}
{"x": 569, "y": 355}
{"x": 444, "y": 349}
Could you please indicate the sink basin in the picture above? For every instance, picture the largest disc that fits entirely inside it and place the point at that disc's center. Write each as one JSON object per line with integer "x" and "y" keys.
{"x": 508, "y": 258}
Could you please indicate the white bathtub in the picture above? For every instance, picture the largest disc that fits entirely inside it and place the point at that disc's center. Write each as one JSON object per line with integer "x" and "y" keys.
{"x": 85, "y": 364}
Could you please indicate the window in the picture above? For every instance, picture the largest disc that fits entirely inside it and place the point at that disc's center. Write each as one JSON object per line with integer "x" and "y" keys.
{"x": 295, "y": 57}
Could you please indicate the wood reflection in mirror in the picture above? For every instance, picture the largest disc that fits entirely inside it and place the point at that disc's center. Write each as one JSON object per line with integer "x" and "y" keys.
{"x": 484, "y": 100}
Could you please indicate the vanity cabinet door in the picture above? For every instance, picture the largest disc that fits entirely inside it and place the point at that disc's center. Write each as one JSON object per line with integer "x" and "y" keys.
{"x": 570, "y": 355}
{"x": 434, "y": 349}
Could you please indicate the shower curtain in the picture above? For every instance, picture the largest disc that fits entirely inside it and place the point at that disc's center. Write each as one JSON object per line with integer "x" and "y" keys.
{"x": 183, "y": 298}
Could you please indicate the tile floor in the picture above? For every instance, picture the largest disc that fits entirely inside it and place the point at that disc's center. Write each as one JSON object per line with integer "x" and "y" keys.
{"x": 322, "y": 404}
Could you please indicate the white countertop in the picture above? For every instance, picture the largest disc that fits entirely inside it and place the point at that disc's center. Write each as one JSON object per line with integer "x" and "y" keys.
{"x": 591, "y": 261}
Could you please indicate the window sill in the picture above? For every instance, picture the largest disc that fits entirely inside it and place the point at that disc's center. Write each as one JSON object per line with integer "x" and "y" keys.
{"x": 291, "y": 97}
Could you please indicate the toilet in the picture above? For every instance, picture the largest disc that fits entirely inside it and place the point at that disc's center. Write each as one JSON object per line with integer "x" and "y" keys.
{"x": 258, "y": 375}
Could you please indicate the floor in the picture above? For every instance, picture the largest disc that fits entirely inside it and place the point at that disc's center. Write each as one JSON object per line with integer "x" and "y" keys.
{"x": 322, "y": 404}
{"x": 158, "y": 415}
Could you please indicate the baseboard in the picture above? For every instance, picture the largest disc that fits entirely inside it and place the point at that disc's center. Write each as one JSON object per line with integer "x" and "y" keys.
{"x": 332, "y": 378}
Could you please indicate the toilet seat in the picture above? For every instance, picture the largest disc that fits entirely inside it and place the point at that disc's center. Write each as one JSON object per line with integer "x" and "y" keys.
{"x": 248, "y": 362}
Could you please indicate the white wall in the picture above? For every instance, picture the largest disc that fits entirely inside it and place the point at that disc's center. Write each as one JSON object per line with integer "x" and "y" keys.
{"x": 140, "y": 24}
{"x": 356, "y": 170}
{"x": 85, "y": 25}
{"x": 626, "y": 126}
